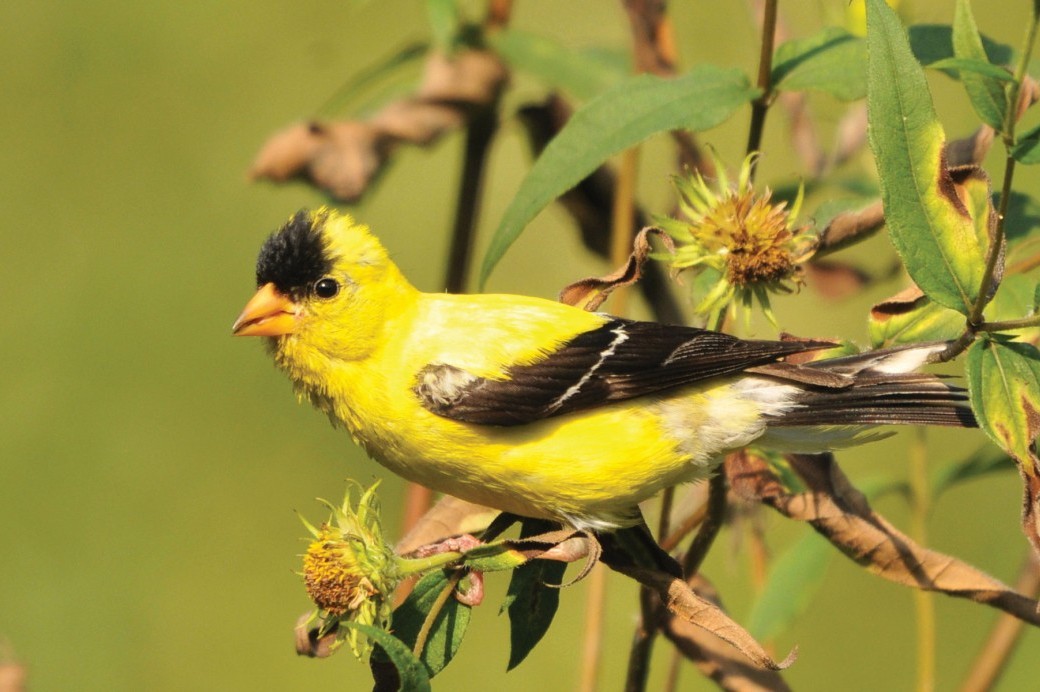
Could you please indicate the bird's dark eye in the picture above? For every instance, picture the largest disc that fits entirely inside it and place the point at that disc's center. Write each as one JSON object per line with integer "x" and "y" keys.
{"x": 326, "y": 288}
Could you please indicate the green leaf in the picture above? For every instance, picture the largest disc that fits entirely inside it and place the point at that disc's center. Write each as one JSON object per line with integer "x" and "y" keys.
{"x": 443, "y": 16}
{"x": 934, "y": 42}
{"x": 986, "y": 91}
{"x": 1027, "y": 146}
{"x": 449, "y": 625}
{"x": 531, "y": 604}
{"x": 831, "y": 61}
{"x": 1022, "y": 217}
{"x": 410, "y": 670}
{"x": 930, "y": 227}
{"x": 912, "y": 320}
{"x": 1013, "y": 300}
{"x": 982, "y": 463}
{"x": 582, "y": 74}
{"x": 972, "y": 65}
{"x": 793, "y": 579}
{"x": 624, "y": 115}
{"x": 1004, "y": 386}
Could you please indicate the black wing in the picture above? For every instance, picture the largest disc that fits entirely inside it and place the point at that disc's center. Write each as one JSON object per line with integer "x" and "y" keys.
{"x": 620, "y": 360}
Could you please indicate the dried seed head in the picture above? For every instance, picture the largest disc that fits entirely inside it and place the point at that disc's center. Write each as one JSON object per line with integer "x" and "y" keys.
{"x": 750, "y": 243}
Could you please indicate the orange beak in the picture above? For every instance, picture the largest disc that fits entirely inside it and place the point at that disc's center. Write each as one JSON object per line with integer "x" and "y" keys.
{"x": 268, "y": 313}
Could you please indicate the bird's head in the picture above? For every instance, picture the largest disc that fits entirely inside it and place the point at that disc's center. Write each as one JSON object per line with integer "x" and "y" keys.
{"x": 323, "y": 282}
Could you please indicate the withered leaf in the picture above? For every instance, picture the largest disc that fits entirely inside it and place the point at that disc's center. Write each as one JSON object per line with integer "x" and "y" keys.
{"x": 714, "y": 658}
{"x": 344, "y": 157}
{"x": 340, "y": 157}
{"x": 971, "y": 149}
{"x": 309, "y": 640}
{"x": 590, "y": 293}
{"x": 840, "y": 513}
{"x": 682, "y": 602}
{"x": 849, "y": 227}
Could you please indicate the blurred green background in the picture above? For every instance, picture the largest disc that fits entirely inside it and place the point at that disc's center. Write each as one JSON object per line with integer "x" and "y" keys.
{"x": 150, "y": 464}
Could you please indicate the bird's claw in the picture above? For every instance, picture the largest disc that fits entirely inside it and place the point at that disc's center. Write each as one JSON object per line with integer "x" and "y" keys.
{"x": 473, "y": 595}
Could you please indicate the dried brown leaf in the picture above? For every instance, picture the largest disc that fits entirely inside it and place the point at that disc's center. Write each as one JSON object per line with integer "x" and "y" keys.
{"x": 590, "y": 293}
{"x": 590, "y": 203}
{"x": 308, "y": 641}
{"x": 681, "y": 601}
{"x": 849, "y": 227}
{"x": 713, "y": 657}
{"x": 1028, "y": 94}
{"x": 839, "y": 512}
{"x": 992, "y": 657}
{"x": 1031, "y": 504}
{"x": 971, "y": 149}
{"x": 343, "y": 158}
{"x": 907, "y": 300}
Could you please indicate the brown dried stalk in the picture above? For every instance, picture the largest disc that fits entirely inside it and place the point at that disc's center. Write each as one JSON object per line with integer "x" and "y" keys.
{"x": 839, "y": 512}
{"x": 1000, "y": 644}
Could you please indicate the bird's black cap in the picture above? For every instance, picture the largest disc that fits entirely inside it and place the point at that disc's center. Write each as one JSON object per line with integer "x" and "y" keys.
{"x": 294, "y": 256}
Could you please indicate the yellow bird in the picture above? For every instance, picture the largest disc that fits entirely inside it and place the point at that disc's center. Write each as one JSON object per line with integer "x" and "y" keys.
{"x": 542, "y": 409}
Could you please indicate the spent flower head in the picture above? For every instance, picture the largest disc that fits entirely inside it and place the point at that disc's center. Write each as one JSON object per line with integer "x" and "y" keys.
{"x": 739, "y": 244}
{"x": 349, "y": 571}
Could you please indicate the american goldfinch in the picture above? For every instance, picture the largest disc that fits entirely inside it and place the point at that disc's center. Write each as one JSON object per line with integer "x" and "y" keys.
{"x": 542, "y": 409}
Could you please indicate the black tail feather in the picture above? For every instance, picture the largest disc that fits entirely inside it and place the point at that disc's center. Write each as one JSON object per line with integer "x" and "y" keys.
{"x": 876, "y": 396}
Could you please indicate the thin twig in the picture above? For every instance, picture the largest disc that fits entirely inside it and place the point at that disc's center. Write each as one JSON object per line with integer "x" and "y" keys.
{"x": 435, "y": 610}
{"x": 664, "y": 521}
{"x": 592, "y": 641}
{"x": 622, "y": 228}
{"x": 1000, "y": 644}
{"x": 924, "y": 601}
{"x": 995, "y": 254}
{"x": 479, "y": 134}
{"x": 1024, "y": 265}
{"x": 717, "y": 489}
{"x": 691, "y": 522}
{"x": 642, "y": 643}
{"x": 671, "y": 683}
{"x": 760, "y": 106}
{"x": 1008, "y": 325}
{"x": 759, "y": 552}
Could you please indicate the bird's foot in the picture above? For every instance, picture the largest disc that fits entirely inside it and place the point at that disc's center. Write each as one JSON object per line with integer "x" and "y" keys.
{"x": 473, "y": 594}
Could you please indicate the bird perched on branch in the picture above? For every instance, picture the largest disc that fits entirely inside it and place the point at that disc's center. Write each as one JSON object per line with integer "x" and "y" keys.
{"x": 542, "y": 409}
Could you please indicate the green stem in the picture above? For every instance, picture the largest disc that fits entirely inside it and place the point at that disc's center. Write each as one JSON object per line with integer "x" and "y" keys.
{"x": 435, "y": 610}
{"x": 760, "y": 106}
{"x": 407, "y": 566}
{"x": 1008, "y": 325}
{"x": 1008, "y": 137}
{"x": 995, "y": 252}
{"x": 924, "y": 602}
